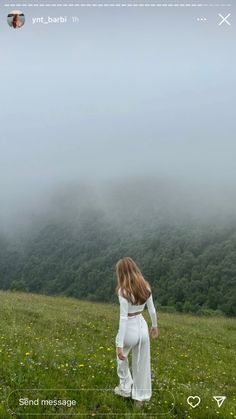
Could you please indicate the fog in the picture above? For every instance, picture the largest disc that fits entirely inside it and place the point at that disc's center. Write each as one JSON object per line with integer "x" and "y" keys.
{"x": 110, "y": 116}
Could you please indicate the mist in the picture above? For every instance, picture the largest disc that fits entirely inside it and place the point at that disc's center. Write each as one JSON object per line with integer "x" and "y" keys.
{"x": 138, "y": 202}
{"x": 128, "y": 122}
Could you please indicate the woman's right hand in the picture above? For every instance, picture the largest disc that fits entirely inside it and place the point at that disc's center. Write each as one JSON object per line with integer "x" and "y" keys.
{"x": 120, "y": 353}
{"x": 154, "y": 332}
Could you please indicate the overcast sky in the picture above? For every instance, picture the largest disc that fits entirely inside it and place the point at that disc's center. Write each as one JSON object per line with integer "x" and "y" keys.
{"x": 126, "y": 92}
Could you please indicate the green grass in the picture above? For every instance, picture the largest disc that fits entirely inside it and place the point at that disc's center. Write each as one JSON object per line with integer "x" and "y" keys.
{"x": 49, "y": 343}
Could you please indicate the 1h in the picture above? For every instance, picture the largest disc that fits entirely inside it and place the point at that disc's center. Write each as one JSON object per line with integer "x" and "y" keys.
{"x": 75, "y": 19}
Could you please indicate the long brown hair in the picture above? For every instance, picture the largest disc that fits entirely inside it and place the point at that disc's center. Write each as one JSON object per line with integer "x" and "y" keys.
{"x": 131, "y": 283}
{"x": 14, "y": 20}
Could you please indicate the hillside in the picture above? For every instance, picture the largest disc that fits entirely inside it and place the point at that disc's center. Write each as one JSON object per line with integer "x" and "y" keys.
{"x": 63, "y": 343}
{"x": 191, "y": 266}
{"x": 183, "y": 239}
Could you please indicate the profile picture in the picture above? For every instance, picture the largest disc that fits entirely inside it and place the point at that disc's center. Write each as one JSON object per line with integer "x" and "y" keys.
{"x": 16, "y": 19}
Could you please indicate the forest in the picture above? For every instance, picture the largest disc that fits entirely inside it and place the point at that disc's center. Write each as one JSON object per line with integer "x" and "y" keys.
{"x": 189, "y": 262}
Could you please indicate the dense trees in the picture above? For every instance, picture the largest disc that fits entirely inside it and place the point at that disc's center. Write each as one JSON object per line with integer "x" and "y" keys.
{"x": 190, "y": 265}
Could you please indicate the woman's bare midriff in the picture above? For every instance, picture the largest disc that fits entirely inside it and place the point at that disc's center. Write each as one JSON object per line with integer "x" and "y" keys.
{"x": 134, "y": 314}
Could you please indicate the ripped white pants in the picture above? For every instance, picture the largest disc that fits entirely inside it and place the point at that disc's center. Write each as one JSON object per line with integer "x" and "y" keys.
{"x": 137, "y": 339}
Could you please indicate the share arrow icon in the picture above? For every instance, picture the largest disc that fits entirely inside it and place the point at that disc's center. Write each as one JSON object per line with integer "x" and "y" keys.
{"x": 219, "y": 400}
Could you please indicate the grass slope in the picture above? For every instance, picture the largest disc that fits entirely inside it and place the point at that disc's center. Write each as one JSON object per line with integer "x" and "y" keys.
{"x": 49, "y": 343}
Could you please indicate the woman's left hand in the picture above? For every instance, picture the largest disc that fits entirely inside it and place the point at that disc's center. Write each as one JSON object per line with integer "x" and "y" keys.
{"x": 154, "y": 332}
{"x": 120, "y": 353}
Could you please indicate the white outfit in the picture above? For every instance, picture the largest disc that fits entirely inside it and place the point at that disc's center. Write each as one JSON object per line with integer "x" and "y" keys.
{"x": 133, "y": 334}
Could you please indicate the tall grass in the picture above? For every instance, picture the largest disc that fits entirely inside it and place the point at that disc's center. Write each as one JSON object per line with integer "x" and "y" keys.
{"x": 63, "y": 348}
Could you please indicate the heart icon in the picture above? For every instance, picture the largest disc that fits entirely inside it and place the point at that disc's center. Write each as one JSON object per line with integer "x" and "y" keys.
{"x": 193, "y": 401}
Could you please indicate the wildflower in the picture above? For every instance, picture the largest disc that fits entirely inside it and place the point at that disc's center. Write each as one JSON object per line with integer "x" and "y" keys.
{"x": 27, "y": 353}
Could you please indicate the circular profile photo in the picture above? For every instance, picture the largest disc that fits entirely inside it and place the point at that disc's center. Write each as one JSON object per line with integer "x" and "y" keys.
{"x": 16, "y": 19}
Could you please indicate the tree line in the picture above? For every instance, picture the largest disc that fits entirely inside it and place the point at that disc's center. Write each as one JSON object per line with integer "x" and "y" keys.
{"x": 191, "y": 266}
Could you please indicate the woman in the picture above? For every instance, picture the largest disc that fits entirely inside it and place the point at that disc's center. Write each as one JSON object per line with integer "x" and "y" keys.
{"x": 16, "y": 21}
{"x": 134, "y": 292}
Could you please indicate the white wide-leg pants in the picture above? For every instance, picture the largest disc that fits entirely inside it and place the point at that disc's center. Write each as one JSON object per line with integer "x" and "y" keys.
{"x": 137, "y": 339}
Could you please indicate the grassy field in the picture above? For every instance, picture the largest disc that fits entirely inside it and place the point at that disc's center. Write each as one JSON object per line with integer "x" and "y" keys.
{"x": 63, "y": 349}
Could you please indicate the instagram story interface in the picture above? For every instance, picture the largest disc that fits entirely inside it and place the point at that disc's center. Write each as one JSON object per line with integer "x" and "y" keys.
{"x": 117, "y": 216}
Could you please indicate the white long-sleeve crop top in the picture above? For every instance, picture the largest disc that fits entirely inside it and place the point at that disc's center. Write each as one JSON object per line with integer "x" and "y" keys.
{"x": 125, "y": 308}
